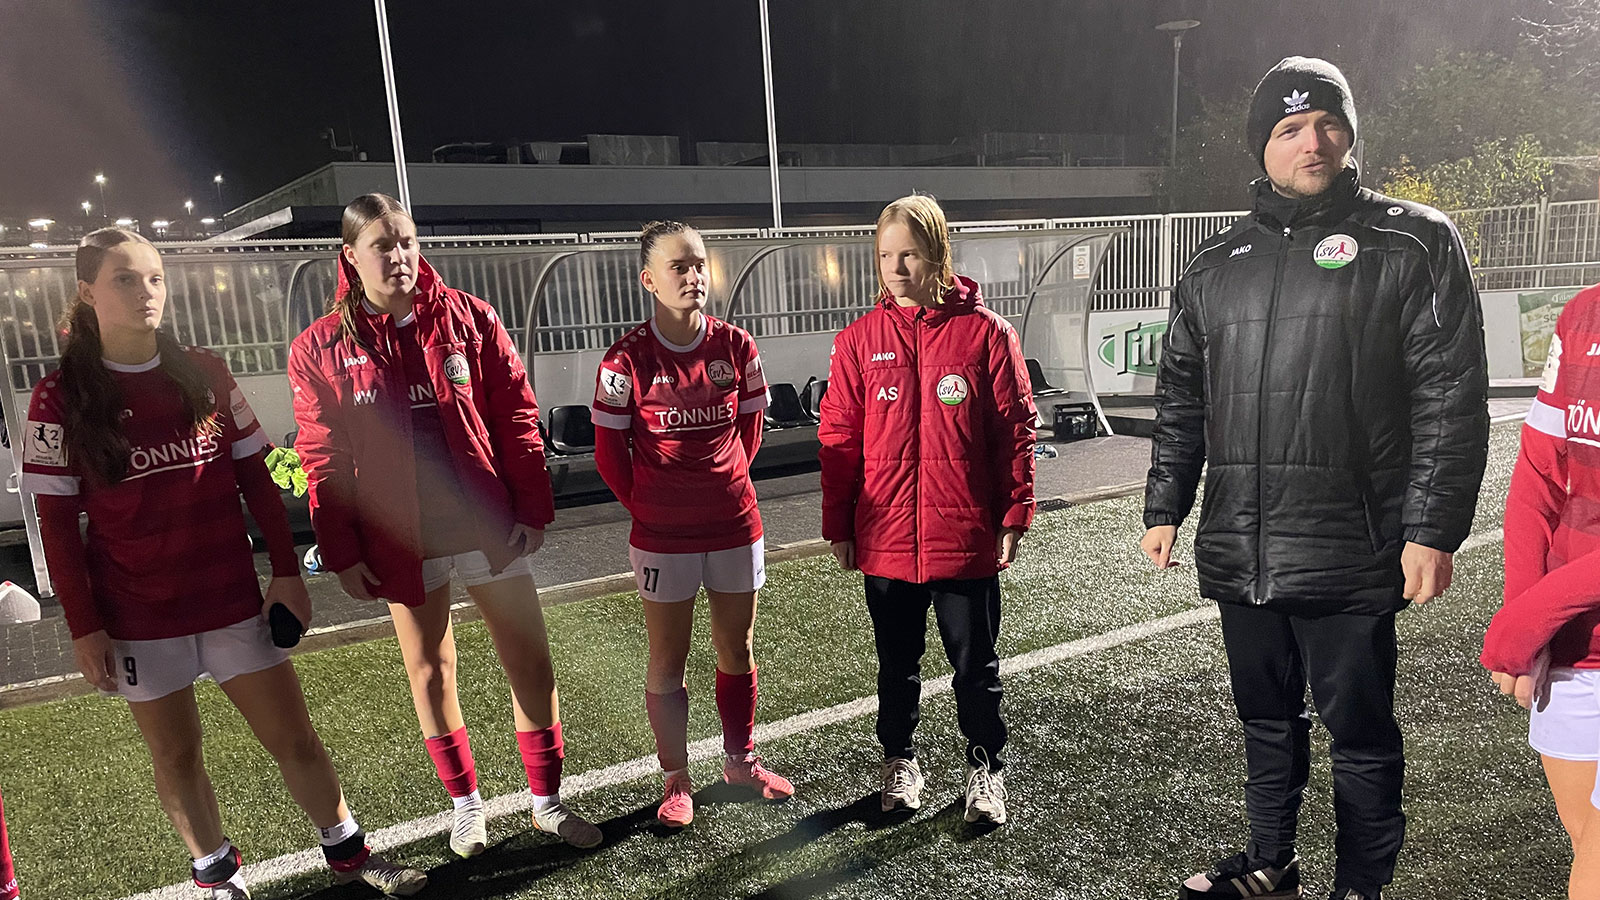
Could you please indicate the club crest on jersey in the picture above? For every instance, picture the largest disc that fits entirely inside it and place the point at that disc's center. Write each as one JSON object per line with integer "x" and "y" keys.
{"x": 720, "y": 372}
{"x": 1336, "y": 251}
{"x": 952, "y": 390}
{"x": 615, "y": 388}
{"x": 455, "y": 369}
{"x": 44, "y": 446}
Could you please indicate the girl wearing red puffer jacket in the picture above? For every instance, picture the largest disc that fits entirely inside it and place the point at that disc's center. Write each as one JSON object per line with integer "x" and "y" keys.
{"x": 927, "y": 486}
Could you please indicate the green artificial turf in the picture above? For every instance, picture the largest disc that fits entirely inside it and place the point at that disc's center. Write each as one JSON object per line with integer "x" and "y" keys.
{"x": 1125, "y": 775}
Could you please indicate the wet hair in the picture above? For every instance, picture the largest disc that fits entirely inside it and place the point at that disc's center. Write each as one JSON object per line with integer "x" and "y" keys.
{"x": 91, "y": 399}
{"x": 923, "y": 216}
{"x": 358, "y": 214}
{"x": 653, "y": 232}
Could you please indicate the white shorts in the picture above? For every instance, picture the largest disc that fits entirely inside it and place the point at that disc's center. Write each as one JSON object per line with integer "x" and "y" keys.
{"x": 1569, "y": 728}
{"x": 150, "y": 670}
{"x": 472, "y": 566}
{"x": 672, "y": 577}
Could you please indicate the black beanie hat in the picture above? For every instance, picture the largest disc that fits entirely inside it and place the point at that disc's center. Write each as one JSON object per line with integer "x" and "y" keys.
{"x": 1297, "y": 84}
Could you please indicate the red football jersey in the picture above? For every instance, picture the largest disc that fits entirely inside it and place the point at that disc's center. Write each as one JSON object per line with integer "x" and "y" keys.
{"x": 168, "y": 551}
{"x": 691, "y": 480}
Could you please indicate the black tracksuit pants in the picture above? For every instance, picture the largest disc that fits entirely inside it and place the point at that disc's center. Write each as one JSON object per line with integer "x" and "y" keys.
{"x": 968, "y": 613}
{"x": 1349, "y": 663}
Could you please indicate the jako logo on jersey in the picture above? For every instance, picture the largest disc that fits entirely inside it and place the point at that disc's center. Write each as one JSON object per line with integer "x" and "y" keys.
{"x": 663, "y": 379}
{"x": 1335, "y": 251}
{"x": 673, "y": 417}
{"x": 355, "y": 360}
{"x": 364, "y": 397}
{"x": 1297, "y": 101}
{"x": 720, "y": 372}
{"x": 455, "y": 368}
{"x": 883, "y": 357}
{"x": 200, "y": 448}
{"x": 1240, "y": 250}
{"x": 1594, "y": 350}
{"x": 889, "y": 393}
{"x": 952, "y": 390}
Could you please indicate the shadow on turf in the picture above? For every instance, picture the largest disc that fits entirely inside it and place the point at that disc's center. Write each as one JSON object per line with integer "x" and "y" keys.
{"x": 844, "y": 867}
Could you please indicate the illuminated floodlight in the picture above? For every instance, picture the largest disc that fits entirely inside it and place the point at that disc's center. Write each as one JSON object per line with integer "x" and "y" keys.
{"x": 100, "y": 178}
{"x": 208, "y": 221}
{"x": 160, "y": 224}
{"x": 86, "y": 207}
{"x": 124, "y": 222}
{"x": 41, "y": 223}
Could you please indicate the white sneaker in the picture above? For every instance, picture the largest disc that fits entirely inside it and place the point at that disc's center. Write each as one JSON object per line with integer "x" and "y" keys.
{"x": 902, "y": 784}
{"x": 470, "y": 833}
{"x": 568, "y": 825}
{"x": 986, "y": 794}
{"x": 391, "y": 879}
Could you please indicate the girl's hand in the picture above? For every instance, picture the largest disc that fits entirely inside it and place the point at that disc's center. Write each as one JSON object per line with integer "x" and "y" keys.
{"x": 529, "y": 537}
{"x": 96, "y": 658}
{"x": 291, "y": 591}
{"x": 355, "y": 579}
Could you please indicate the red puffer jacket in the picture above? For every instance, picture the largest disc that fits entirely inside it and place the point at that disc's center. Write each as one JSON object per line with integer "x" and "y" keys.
{"x": 927, "y": 438}
{"x": 355, "y": 443}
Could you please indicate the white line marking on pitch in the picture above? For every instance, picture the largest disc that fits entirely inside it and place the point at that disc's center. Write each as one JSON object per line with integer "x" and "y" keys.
{"x": 521, "y": 802}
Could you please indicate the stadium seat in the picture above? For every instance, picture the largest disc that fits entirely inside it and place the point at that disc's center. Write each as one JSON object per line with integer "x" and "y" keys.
{"x": 811, "y": 396}
{"x": 784, "y": 410}
{"x": 1041, "y": 385}
{"x": 570, "y": 429}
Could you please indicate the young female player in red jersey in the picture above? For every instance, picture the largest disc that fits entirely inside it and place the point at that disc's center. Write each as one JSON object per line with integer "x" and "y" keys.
{"x": 156, "y": 443}
{"x": 1544, "y": 644}
{"x": 678, "y": 407}
{"x": 419, "y": 435}
{"x": 927, "y": 485}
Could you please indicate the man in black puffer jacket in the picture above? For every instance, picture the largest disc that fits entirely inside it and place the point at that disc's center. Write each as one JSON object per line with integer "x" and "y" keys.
{"x": 1325, "y": 360}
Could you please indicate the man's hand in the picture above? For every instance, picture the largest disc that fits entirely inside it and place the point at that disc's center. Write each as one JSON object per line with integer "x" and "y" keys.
{"x": 1005, "y": 545}
{"x": 1157, "y": 544}
{"x": 845, "y": 553}
{"x": 96, "y": 660}
{"x": 1428, "y": 571}
{"x": 1531, "y": 688}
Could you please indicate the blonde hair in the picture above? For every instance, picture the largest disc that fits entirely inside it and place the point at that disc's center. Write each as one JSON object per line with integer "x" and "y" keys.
{"x": 922, "y": 215}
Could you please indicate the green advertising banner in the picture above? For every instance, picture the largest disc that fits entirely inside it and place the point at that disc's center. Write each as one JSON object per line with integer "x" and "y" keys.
{"x": 1538, "y": 311}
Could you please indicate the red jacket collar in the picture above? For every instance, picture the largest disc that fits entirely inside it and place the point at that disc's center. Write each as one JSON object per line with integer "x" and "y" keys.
{"x": 963, "y": 298}
{"x": 429, "y": 285}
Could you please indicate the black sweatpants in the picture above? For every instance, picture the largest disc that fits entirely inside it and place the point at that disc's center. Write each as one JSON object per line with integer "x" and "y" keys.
{"x": 968, "y": 613}
{"x": 1349, "y": 663}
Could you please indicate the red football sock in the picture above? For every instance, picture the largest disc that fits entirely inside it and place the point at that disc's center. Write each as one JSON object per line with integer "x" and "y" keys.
{"x": 736, "y": 704}
{"x": 452, "y": 759}
{"x": 542, "y": 752}
{"x": 669, "y": 720}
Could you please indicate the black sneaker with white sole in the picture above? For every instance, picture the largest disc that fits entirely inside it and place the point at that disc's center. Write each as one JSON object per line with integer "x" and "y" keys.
{"x": 1240, "y": 877}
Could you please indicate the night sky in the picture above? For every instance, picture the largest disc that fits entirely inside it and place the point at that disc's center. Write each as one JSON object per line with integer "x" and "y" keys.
{"x": 162, "y": 95}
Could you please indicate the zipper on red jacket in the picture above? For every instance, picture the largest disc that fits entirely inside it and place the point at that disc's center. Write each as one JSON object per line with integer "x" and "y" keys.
{"x": 917, "y": 325}
{"x": 1257, "y": 596}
